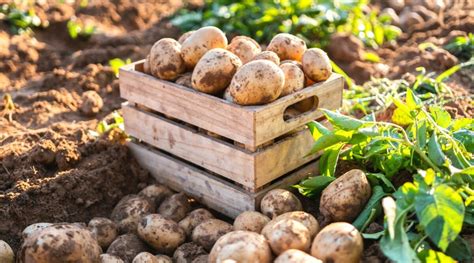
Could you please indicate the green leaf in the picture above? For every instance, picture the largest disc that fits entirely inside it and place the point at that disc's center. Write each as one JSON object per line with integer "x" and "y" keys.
{"x": 373, "y": 203}
{"x": 435, "y": 153}
{"x": 371, "y": 57}
{"x": 468, "y": 171}
{"x": 317, "y": 129}
{"x": 374, "y": 236}
{"x": 460, "y": 250}
{"x": 313, "y": 186}
{"x": 421, "y": 134}
{"x": 446, "y": 74}
{"x": 412, "y": 101}
{"x": 401, "y": 115}
{"x": 440, "y": 116}
{"x": 328, "y": 140}
{"x": 432, "y": 256}
{"x": 381, "y": 179}
{"x": 466, "y": 137}
{"x": 328, "y": 161}
{"x": 343, "y": 122}
{"x": 462, "y": 123}
{"x": 339, "y": 71}
{"x": 441, "y": 212}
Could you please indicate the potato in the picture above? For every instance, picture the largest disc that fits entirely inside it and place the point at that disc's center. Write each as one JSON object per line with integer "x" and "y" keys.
{"x": 107, "y": 258}
{"x": 145, "y": 257}
{"x": 201, "y": 259}
{"x": 241, "y": 246}
{"x": 268, "y": 55}
{"x": 226, "y": 95}
{"x": 287, "y": 46}
{"x": 316, "y": 64}
{"x": 91, "y": 103}
{"x": 244, "y": 47}
{"x": 129, "y": 210}
{"x": 338, "y": 242}
{"x": 207, "y": 233}
{"x": 156, "y": 193}
{"x": 103, "y": 230}
{"x": 185, "y": 36}
{"x": 185, "y": 80}
{"x": 162, "y": 234}
{"x": 165, "y": 59}
{"x": 287, "y": 234}
{"x": 251, "y": 221}
{"x": 187, "y": 252}
{"x": 163, "y": 259}
{"x": 6, "y": 253}
{"x": 344, "y": 198}
{"x": 29, "y": 230}
{"x": 304, "y": 218}
{"x": 60, "y": 243}
{"x": 146, "y": 65}
{"x": 126, "y": 247}
{"x": 257, "y": 82}
{"x": 193, "y": 219}
{"x": 214, "y": 71}
{"x": 201, "y": 41}
{"x": 296, "y": 256}
{"x": 279, "y": 201}
{"x": 175, "y": 207}
{"x": 294, "y": 78}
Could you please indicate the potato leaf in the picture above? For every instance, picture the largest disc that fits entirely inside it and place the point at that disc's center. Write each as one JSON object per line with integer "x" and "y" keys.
{"x": 317, "y": 129}
{"x": 328, "y": 161}
{"x": 460, "y": 250}
{"x": 328, "y": 140}
{"x": 313, "y": 186}
{"x": 432, "y": 256}
{"x": 343, "y": 122}
{"x": 440, "y": 116}
{"x": 435, "y": 153}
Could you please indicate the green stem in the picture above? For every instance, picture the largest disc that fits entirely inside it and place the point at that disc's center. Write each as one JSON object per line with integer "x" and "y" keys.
{"x": 419, "y": 242}
{"x": 369, "y": 219}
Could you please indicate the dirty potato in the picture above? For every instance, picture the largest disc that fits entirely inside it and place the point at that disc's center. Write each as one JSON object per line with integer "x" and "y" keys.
{"x": 185, "y": 36}
{"x": 242, "y": 247}
{"x": 126, "y": 247}
{"x": 257, "y": 82}
{"x": 268, "y": 55}
{"x": 244, "y": 47}
{"x": 104, "y": 230}
{"x": 294, "y": 78}
{"x": 287, "y": 234}
{"x": 187, "y": 252}
{"x": 156, "y": 193}
{"x": 145, "y": 257}
{"x": 165, "y": 59}
{"x": 251, "y": 221}
{"x": 279, "y": 201}
{"x": 201, "y": 41}
{"x": 6, "y": 253}
{"x": 207, "y": 233}
{"x": 33, "y": 228}
{"x": 201, "y": 259}
{"x": 316, "y": 64}
{"x": 107, "y": 258}
{"x": 214, "y": 71}
{"x": 129, "y": 210}
{"x": 193, "y": 219}
{"x": 91, "y": 103}
{"x": 175, "y": 207}
{"x": 287, "y": 46}
{"x": 296, "y": 256}
{"x": 304, "y": 218}
{"x": 162, "y": 234}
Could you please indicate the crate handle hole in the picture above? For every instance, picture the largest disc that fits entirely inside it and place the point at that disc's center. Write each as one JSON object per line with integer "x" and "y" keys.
{"x": 300, "y": 108}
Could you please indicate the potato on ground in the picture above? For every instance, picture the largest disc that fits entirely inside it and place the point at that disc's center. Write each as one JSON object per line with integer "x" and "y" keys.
{"x": 244, "y": 47}
{"x": 6, "y": 253}
{"x": 175, "y": 207}
{"x": 268, "y": 55}
{"x": 145, "y": 257}
{"x": 165, "y": 59}
{"x": 185, "y": 36}
{"x": 316, "y": 64}
{"x": 294, "y": 78}
{"x": 156, "y": 193}
{"x": 251, "y": 221}
{"x": 201, "y": 41}
{"x": 163, "y": 259}
{"x": 129, "y": 210}
{"x": 214, "y": 71}
{"x": 29, "y": 230}
{"x": 339, "y": 243}
{"x": 344, "y": 198}
{"x": 279, "y": 201}
{"x": 241, "y": 246}
{"x": 126, "y": 247}
{"x": 162, "y": 234}
{"x": 193, "y": 219}
{"x": 91, "y": 103}
{"x": 287, "y": 46}
{"x": 207, "y": 233}
{"x": 201, "y": 259}
{"x": 257, "y": 82}
{"x": 104, "y": 230}
{"x": 287, "y": 234}
{"x": 107, "y": 258}
{"x": 60, "y": 243}
{"x": 304, "y": 218}
{"x": 187, "y": 252}
{"x": 296, "y": 256}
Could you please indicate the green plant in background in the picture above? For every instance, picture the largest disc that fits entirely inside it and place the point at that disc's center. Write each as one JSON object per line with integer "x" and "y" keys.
{"x": 20, "y": 21}
{"x": 462, "y": 47}
{"x": 314, "y": 21}
{"x": 112, "y": 128}
{"x": 77, "y": 29}
{"x": 117, "y": 63}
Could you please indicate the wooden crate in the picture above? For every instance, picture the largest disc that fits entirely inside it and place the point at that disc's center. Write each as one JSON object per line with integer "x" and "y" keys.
{"x": 252, "y": 126}
{"x": 210, "y": 190}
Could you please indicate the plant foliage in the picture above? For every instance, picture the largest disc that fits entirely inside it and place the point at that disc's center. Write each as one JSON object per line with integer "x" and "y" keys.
{"x": 77, "y": 29}
{"x": 20, "y": 21}
{"x": 462, "y": 47}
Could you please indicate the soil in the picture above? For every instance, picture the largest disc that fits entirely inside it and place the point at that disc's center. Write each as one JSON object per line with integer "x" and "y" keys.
{"x": 52, "y": 167}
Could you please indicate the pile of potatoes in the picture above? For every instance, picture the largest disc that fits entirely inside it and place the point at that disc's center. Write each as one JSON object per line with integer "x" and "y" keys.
{"x": 239, "y": 71}
{"x": 160, "y": 226}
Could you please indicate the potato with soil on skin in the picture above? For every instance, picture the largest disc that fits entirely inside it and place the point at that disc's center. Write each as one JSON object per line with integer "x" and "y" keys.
{"x": 251, "y": 221}
{"x": 164, "y": 235}
{"x": 294, "y": 78}
{"x": 165, "y": 59}
{"x": 268, "y": 55}
{"x": 60, "y": 243}
{"x": 6, "y": 253}
{"x": 91, "y": 103}
{"x": 201, "y": 41}
{"x": 156, "y": 193}
{"x": 316, "y": 64}
{"x": 296, "y": 256}
{"x": 287, "y": 234}
{"x": 185, "y": 36}
{"x": 104, "y": 230}
{"x": 257, "y": 82}
{"x": 107, "y": 258}
{"x": 193, "y": 219}
{"x": 129, "y": 210}
{"x": 163, "y": 259}
{"x": 279, "y": 201}
{"x": 241, "y": 246}
{"x": 201, "y": 259}
{"x": 244, "y": 47}
{"x": 187, "y": 252}
{"x": 344, "y": 198}
{"x": 145, "y": 257}
{"x": 175, "y": 207}
{"x": 287, "y": 46}
{"x": 214, "y": 71}
{"x": 226, "y": 95}
{"x": 126, "y": 247}
{"x": 339, "y": 243}
{"x": 304, "y": 218}
{"x": 207, "y": 233}
{"x": 185, "y": 80}
{"x": 29, "y": 230}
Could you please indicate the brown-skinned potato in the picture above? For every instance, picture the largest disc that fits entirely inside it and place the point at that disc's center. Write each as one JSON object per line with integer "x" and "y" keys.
{"x": 296, "y": 256}
{"x": 287, "y": 234}
{"x": 316, "y": 64}
{"x": 268, "y": 55}
{"x": 287, "y": 46}
{"x": 207, "y": 233}
{"x": 251, "y": 221}
{"x": 175, "y": 207}
{"x": 162, "y": 234}
{"x": 185, "y": 36}
{"x": 201, "y": 41}
{"x": 306, "y": 219}
{"x": 244, "y": 47}
{"x": 193, "y": 219}
{"x": 279, "y": 201}
{"x": 104, "y": 230}
{"x": 294, "y": 78}
{"x": 165, "y": 59}
{"x": 242, "y": 247}
{"x": 129, "y": 210}
{"x": 126, "y": 247}
{"x": 6, "y": 253}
